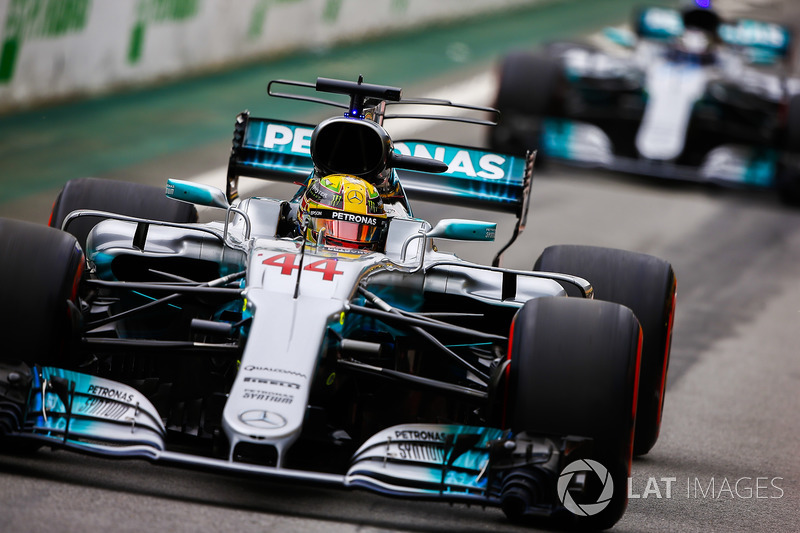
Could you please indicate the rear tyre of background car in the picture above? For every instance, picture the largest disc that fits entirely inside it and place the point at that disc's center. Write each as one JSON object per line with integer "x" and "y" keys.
{"x": 39, "y": 277}
{"x": 527, "y": 92}
{"x": 124, "y": 198}
{"x": 787, "y": 179}
{"x": 573, "y": 371}
{"x": 647, "y": 286}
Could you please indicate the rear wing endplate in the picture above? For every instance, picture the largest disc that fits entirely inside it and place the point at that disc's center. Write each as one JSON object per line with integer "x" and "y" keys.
{"x": 268, "y": 149}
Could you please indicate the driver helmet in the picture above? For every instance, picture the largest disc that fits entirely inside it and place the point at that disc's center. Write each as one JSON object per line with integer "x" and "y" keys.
{"x": 694, "y": 41}
{"x": 701, "y": 16}
{"x": 347, "y": 208}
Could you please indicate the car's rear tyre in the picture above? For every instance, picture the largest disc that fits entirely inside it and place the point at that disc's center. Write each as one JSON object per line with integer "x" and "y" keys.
{"x": 573, "y": 371}
{"x": 787, "y": 180}
{"x": 646, "y": 285}
{"x": 528, "y": 89}
{"x": 125, "y": 198}
{"x": 39, "y": 276}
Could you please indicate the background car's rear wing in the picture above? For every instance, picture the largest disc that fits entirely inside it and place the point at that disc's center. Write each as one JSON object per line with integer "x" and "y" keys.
{"x": 762, "y": 42}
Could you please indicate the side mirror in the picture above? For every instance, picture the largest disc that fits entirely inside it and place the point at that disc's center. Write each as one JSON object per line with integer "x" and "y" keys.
{"x": 196, "y": 193}
{"x": 621, "y": 37}
{"x": 421, "y": 164}
{"x": 464, "y": 230}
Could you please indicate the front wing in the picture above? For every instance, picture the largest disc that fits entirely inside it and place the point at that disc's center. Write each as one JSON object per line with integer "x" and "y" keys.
{"x": 89, "y": 414}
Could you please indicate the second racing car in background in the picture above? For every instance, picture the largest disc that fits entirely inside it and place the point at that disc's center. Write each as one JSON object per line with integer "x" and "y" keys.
{"x": 692, "y": 97}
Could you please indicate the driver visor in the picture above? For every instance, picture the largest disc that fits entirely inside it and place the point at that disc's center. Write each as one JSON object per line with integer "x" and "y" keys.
{"x": 346, "y": 229}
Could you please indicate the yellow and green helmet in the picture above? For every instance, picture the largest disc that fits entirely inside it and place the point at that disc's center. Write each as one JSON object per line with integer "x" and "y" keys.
{"x": 349, "y": 209}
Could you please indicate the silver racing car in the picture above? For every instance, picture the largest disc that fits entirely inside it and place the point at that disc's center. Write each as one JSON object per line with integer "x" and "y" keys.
{"x": 686, "y": 96}
{"x": 326, "y": 337}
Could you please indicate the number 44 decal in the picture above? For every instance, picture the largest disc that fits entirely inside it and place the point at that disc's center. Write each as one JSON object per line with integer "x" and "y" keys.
{"x": 286, "y": 263}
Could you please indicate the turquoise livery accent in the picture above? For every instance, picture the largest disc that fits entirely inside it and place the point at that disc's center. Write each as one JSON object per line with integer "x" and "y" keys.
{"x": 660, "y": 23}
{"x": 81, "y": 410}
{"x": 280, "y": 151}
{"x": 426, "y": 458}
{"x": 196, "y": 193}
{"x": 557, "y": 139}
{"x": 761, "y": 168}
{"x": 464, "y": 230}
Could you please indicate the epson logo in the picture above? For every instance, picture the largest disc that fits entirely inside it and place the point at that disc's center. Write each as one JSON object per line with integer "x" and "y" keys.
{"x": 349, "y": 217}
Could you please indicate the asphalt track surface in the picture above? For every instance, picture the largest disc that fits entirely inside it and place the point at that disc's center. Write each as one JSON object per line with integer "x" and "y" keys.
{"x": 733, "y": 400}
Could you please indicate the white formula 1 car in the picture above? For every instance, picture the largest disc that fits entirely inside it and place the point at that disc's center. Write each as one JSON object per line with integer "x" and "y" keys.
{"x": 325, "y": 338}
{"x": 689, "y": 96}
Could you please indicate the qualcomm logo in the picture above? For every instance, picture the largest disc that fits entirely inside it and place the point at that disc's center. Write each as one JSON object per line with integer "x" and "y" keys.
{"x": 585, "y": 465}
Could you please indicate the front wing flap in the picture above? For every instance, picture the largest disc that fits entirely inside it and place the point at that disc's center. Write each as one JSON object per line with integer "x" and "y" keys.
{"x": 466, "y": 464}
{"x": 86, "y": 412}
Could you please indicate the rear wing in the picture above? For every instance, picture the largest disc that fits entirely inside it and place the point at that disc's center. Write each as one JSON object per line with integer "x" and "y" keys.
{"x": 280, "y": 151}
{"x": 475, "y": 178}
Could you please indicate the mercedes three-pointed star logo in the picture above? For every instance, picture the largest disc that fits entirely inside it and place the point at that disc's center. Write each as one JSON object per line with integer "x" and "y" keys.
{"x": 262, "y": 419}
{"x": 355, "y": 197}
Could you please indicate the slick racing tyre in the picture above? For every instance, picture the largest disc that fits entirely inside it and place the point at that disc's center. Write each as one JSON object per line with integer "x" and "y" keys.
{"x": 124, "y": 198}
{"x": 646, "y": 285}
{"x": 788, "y": 172}
{"x": 39, "y": 277}
{"x": 528, "y": 90}
{"x": 572, "y": 371}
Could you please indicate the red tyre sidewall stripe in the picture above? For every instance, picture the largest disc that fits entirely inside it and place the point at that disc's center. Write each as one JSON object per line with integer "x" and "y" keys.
{"x": 77, "y": 279}
{"x": 507, "y": 378}
{"x": 52, "y": 214}
{"x": 667, "y": 348}
{"x": 629, "y": 458}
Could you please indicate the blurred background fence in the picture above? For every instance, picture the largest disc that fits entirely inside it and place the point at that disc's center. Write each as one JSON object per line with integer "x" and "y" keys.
{"x": 57, "y": 49}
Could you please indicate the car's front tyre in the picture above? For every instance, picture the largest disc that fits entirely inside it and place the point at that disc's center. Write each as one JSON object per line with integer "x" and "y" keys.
{"x": 645, "y": 284}
{"x": 573, "y": 371}
{"x": 39, "y": 277}
{"x": 124, "y": 198}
